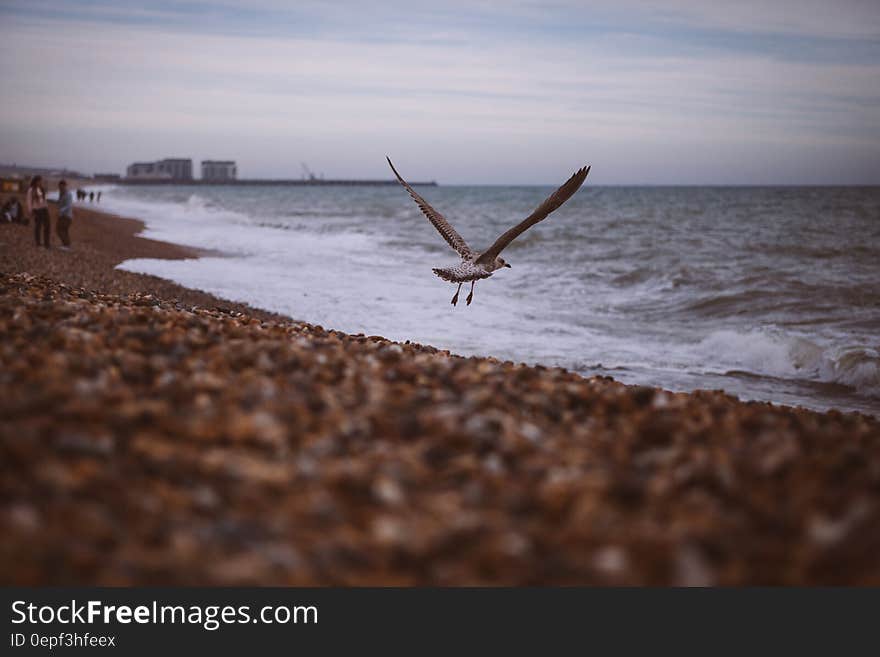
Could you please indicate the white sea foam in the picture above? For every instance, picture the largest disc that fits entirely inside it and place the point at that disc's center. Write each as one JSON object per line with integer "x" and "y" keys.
{"x": 774, "y": 353}
{"x": 192, "y": 223}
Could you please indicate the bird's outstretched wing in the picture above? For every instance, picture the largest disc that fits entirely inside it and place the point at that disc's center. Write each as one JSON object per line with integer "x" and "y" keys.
{"x": 448, "y": 232}
{"x": 552, "y": 202}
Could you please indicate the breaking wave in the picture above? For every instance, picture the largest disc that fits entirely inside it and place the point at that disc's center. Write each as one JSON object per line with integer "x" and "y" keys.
{"x": 792, "y": 357}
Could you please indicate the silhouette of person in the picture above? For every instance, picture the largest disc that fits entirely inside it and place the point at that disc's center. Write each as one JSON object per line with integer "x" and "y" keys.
{"x": 65, "y": 215}
{"x": 39, "y": 210}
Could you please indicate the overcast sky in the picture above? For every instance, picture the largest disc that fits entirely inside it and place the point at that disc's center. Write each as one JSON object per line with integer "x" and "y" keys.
{"x": 683, "y": 91}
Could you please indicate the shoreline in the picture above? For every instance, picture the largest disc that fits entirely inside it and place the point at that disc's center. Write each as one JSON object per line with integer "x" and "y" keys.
{"x": 112, "y": 239}
{"x": 101, "y": 241}
{"x": 156, "y": 434}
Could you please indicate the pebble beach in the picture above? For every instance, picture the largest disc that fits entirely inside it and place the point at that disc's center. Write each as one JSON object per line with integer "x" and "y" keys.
{"x": 153, "y": 434}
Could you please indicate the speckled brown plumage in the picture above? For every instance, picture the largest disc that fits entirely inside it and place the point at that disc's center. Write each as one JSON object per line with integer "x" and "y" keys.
{"x": 478, "y": 265}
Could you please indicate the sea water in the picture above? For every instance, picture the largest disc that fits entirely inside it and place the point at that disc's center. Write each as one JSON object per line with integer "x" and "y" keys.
{"x": 768, "y": 293}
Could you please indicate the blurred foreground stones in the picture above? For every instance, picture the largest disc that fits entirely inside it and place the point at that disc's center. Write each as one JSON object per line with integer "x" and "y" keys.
{"x": 147, "y": 442}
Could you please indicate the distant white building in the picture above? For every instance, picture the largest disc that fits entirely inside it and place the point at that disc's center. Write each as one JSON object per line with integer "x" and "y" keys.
{"x": 167, "y": 169}
{"x": 145, "y": 171}
{"x": 219, "y": 170}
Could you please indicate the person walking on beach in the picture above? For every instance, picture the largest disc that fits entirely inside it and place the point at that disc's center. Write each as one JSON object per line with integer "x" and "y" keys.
{"x": 65, "y": 214}
{"x": 91, "y": 197}
{"x": 39, "y": 210}
{"x": 98, "y": 198}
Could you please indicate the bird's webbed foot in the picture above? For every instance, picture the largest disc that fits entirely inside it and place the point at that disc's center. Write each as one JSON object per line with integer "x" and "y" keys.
{"x": 470, "y": 297}
{"x": 455, "y": 298}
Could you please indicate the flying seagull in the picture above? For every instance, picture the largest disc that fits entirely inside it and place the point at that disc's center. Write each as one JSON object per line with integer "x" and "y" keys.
{"x": 474, "y": 264}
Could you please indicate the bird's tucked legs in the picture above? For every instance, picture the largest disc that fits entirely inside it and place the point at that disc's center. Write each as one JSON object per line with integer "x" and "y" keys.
{"x": 455, "y": 298}
{"x": 471, "y": 295}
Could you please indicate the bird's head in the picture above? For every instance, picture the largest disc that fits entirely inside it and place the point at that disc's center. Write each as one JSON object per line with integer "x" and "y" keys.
{"x": 499, "y": 263}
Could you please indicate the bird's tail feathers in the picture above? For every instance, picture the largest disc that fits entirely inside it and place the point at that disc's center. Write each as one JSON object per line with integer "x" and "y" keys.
{"x": 445, "y": 274}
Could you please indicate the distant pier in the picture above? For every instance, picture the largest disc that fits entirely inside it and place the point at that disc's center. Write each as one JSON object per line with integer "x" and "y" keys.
{"x": 308, "y": 182}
